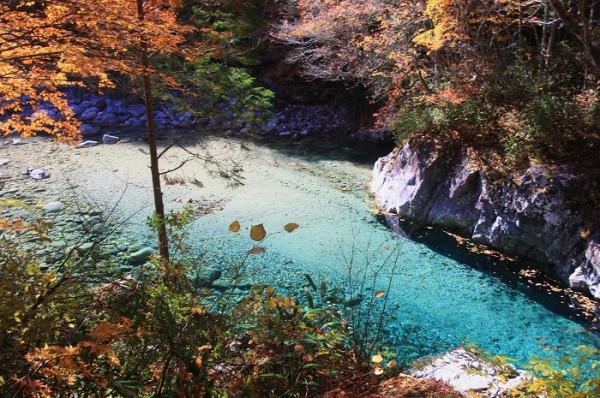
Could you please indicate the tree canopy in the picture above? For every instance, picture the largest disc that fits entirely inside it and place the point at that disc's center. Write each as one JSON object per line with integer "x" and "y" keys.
{"x": 518, "y": 76}
{"x": 48, "y": 45}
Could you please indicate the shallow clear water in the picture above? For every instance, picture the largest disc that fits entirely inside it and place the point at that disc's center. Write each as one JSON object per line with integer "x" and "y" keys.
{"x": 438, "y": 303}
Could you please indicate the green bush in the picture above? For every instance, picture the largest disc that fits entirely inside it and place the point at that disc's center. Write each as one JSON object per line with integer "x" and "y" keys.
{"x": 520, "y": 115}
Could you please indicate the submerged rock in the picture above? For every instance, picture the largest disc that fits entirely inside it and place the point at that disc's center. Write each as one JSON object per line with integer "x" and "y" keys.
{"x": 141, "y": 255}
{"x": 544, "y": 214}
{"x": 205, "y": 276}
{"x": 53, "y": 207}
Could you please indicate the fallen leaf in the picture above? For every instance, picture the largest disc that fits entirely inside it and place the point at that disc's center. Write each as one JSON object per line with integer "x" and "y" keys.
{"x": 290, "y": 227}
{"x": 377, "y": 358}
{"x": 234, "y": 226}
{"x": 379, "y": 294}
{"x": 256, "y": 250}
{"x": 257, "y": 232}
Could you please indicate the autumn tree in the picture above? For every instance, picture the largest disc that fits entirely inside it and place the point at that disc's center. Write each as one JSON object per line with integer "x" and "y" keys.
{"x": 363, "y": 42}
{"x": 517, "y": 77}
{"x": 46, "y": 46}
{"x": 581, "y": 19}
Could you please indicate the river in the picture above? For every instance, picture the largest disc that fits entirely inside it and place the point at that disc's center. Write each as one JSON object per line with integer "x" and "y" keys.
{"x": 435, "y": 300}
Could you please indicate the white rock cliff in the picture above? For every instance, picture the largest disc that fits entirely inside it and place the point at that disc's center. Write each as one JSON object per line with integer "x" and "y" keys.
{"x": 545, "y": 214}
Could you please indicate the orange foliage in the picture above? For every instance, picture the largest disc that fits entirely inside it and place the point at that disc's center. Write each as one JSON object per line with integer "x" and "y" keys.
{"x": 447, "y": 17}
{"x": 67, "y": 365}
{"x": 46, "y": 46}
{"x": 451, "y": 95}
{"x": 13, "y": 224}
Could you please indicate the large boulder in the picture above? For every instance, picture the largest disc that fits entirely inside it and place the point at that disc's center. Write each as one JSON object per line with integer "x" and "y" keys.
{"x": 468, "y": 372}
{"x": 544, "y": 214}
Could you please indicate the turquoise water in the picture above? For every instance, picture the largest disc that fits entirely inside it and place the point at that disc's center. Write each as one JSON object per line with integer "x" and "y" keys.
{"x": 436, "y": 302}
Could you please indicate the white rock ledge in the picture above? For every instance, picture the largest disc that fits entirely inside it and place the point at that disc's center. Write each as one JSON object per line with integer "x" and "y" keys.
{"x": 467, "y": 372}
{"x": 544, "y": 214}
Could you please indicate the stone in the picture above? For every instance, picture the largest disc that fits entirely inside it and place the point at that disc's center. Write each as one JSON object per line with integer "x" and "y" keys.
{"x": 58, "y": 244}
{"x": 205, "y": 276}
{"x": 87, "y": 144}
{"x": 37, "y": 174}
{"x": 87, "y": 130}
{"x": 586, "y": 276}
{"x": 108, "y": 119}
{"x": 141, "y": 255}
{"x": 135, "y": 247}
{"x": 16, "y": 141}
{"x": 89, "y": 114}
{"x": 53, "y": 207}
{"x": 85, "y": 247}
{"x": 99, "y": 102}
{"x": 137, "y": 110}
{"x": 92, "y": 221}
{"x": 537, "y": 214}
{"x": 467, "y": 372}
{"x": 109, "y": 139}
{"x": 76, "y": 109}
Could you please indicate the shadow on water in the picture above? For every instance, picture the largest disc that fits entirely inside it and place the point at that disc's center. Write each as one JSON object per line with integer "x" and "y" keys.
{"x": 311, "y": 148}
{"x": 334, "y": 147}
{"x": 537, "y": 282}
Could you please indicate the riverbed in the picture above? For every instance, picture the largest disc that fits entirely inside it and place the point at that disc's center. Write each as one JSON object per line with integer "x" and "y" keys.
{"x": 435, "y": 302}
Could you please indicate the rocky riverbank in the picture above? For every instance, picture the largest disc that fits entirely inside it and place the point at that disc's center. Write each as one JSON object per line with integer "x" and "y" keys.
{"x": 99, "y": 195}
{"x": 69, "y": 224}
{"x": 545, "y": 214}
{"x": 99, "y": 112}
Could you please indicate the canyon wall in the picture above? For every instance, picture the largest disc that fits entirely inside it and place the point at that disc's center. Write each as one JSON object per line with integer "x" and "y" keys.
{"x": 545, "y": 214}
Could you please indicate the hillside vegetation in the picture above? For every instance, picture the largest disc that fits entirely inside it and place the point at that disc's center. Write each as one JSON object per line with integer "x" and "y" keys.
{"x": 518, "y": 81}
{"x": 513, "y": 79}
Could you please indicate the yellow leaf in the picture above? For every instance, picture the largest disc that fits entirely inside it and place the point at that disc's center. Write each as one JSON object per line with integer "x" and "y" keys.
{"x": 197, "y": 310}
{"x": 256, "y": 250}
{"x": 378, "y": 370}
{"x": 198, "y": 362}
{"x": 290, "y": 227}
{"x": 379, "y": 294}
{"x": 392, "y": 364}
{"x": 234, "y": 226}
{"x": 270, "y": 290}
{"x": 377, "y": 358}
{"x": 257, "y": 232}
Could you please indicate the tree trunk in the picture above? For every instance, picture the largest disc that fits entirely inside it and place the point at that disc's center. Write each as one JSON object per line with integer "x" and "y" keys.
{"x": 580, "y": 26}
{"x": 159, "y": 207}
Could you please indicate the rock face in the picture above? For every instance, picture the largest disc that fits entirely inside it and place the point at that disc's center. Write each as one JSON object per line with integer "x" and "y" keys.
{"x": 547, "y": 215}
{"x": 467, "y": 372}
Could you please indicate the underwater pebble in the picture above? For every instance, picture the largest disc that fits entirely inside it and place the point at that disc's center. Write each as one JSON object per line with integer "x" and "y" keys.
{"x": 84, "y": 248}
{"x": 141, "y": 255}
{"x": 53, "y": 207}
